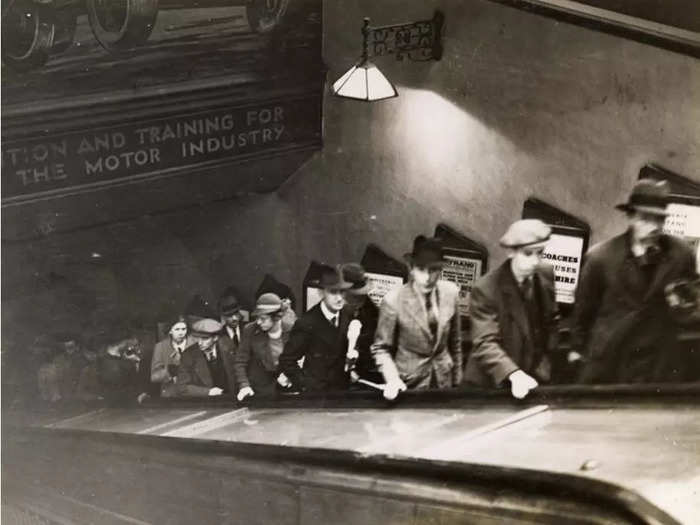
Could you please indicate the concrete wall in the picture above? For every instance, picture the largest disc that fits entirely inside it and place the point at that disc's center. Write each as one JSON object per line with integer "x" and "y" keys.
{"x": 519, "y": 106}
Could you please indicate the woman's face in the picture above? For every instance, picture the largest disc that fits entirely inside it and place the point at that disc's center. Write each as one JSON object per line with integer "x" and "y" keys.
{"x": 178, "y": 332}
{"x": 265, "y": 322}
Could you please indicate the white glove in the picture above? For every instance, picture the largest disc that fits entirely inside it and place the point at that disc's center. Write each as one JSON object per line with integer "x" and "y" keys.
{"x": 573, "y": 357}
{"x": 244, "y": 392}
{"x": 283, "y": 381}
{"x": 215, "y": 391}
{"x": 352, "y": 354}
{"x": 392, "y": 389}
{"x": 521, "y": 384}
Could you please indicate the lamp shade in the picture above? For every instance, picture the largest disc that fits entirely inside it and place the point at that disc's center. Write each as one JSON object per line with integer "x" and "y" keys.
{"x": 364, "y": 81}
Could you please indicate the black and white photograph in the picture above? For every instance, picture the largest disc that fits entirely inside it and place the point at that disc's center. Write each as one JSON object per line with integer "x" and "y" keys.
{"x": 350, "y": 262}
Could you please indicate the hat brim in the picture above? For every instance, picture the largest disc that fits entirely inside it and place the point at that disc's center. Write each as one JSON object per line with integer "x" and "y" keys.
{"x": 266, "y": 311}
{"x": 654, "y": 210}
{"x": 364, "y": 290}
{"x": 541, "y": 243}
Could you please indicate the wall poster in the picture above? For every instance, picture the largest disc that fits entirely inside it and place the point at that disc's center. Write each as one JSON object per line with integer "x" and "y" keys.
{"x": 381, "y": 285}
{"x": 463, "y": 271}
{"x": 564, "y": 253}
{"x": 684, "y": 221}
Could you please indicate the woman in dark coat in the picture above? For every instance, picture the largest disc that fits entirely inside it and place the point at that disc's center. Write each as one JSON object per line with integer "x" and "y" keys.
{"x": 257, "y": 360}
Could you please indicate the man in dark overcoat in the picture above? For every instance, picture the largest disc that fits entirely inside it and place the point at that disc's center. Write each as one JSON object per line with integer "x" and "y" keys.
{"x": 204, "y": 369}
{"x": 514, "y": 315}
{"x": 320, "y": 337}
{"x": 623, "y": 326}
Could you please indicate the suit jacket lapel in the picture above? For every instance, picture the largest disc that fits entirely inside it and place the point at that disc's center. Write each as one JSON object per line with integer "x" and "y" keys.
{"x": 324, "y": 329}
{"x": 203, "y": 369}
{"x": 414, "y": 305}
{"x": 513, "y": 298}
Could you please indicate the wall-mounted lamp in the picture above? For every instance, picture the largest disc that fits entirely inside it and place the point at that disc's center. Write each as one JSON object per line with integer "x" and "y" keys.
{"x": 418, "y": 41}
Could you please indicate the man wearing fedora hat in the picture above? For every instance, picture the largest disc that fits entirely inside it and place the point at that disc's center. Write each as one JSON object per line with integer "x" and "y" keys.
{"x": 622, "y": 325}
{"x": 362, "y": 308}
{"x": 420, "y": 321}
{"x": 204, "y": 369}
{"x": 257, "y": 361}
{"x": 320, "y": 337}
{"x": 514, "y": 315}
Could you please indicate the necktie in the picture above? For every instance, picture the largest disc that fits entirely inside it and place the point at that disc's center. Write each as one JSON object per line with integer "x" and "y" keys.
{"x": 235, "y": 338}
{"x": 526, "y": 288}
{"x": 432, "y": 319}
{"x": 334, "y": 321}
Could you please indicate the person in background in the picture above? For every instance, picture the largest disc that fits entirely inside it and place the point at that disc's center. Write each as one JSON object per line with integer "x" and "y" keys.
{"x": 284, "y": 292}
{"x": 256, "y": 363}
{"x": 622, "y": 324}
{"x": 114, "y": 375}
{"x": 514, "y": 315}
{"x": 362, "y": 308}
{"x": 421, "y": 320}
{"x": 59, "y": 378}
{"x": 204, "y": 370}
{"x": 231, "y": 318}
{"x": 320, "y": 336}
{"x": 167, "y": 354}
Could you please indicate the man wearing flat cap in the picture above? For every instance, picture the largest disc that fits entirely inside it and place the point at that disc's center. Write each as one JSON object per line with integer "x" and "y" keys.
{"x": 320, "y": 336}
{"x": 420, "y": 321}
{"x": 514, "y": 315}
{"x": 204, "y": 369}
{"x": 622, "y": 324}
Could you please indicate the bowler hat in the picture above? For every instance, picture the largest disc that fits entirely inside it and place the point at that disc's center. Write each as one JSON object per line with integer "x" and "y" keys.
{"x": 332, "y": 279}
{"x": 427, "y": 251}
{"x": 648, "y": 196}
{"x": 206, "y": 327}
{"x": 526, "y": 232}
{"x": 267, "y": 303}
{"x": 355, "y": 274}
{"x": 228, "y": 302}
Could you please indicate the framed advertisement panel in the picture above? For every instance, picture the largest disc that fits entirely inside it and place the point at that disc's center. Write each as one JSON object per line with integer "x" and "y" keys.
{"x": 684, "y": 211}
{"x": 565, "y": 250}
{"x": 465, "y": 261}
{"x": 383, "y": 271}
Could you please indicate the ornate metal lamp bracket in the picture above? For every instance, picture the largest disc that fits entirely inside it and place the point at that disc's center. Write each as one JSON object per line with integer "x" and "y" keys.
{"x": 419, "y": 41}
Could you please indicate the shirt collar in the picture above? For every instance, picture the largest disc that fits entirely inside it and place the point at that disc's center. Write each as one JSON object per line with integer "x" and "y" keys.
{"x": 230, "y": 331}
{"x": 327, "y": 313}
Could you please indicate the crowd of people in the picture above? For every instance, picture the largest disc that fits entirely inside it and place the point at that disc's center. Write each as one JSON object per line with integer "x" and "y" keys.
{"x": 624, "y": 328}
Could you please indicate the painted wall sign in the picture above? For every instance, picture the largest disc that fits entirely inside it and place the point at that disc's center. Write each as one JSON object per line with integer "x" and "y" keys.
{"x": 66, "y": 163}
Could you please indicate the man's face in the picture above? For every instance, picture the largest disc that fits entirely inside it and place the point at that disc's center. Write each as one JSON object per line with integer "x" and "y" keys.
{"x": 355, "y": 300}
{"x": 334, "y": 299}
{"x": 525, "y": 260}
{"x": 265, "y": 322}
{"x": 231, "y": 319}
{"x": 205, "y": 342}
{"x": 178, "y": 332}
{"x": 70, "y": 347}
{"x": 646, "y": 227}
{"x": 426, "y": 277}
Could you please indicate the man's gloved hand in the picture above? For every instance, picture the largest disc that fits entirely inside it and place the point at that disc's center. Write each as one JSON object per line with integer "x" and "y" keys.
{"x": 244, "y": 392}
{"x": 521, "y": 384}
{"x": 573, "y": 357}
{"x": 392, "y": 389}
{"x": 215, "y": 391}
{"x": 283, "y": 381}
